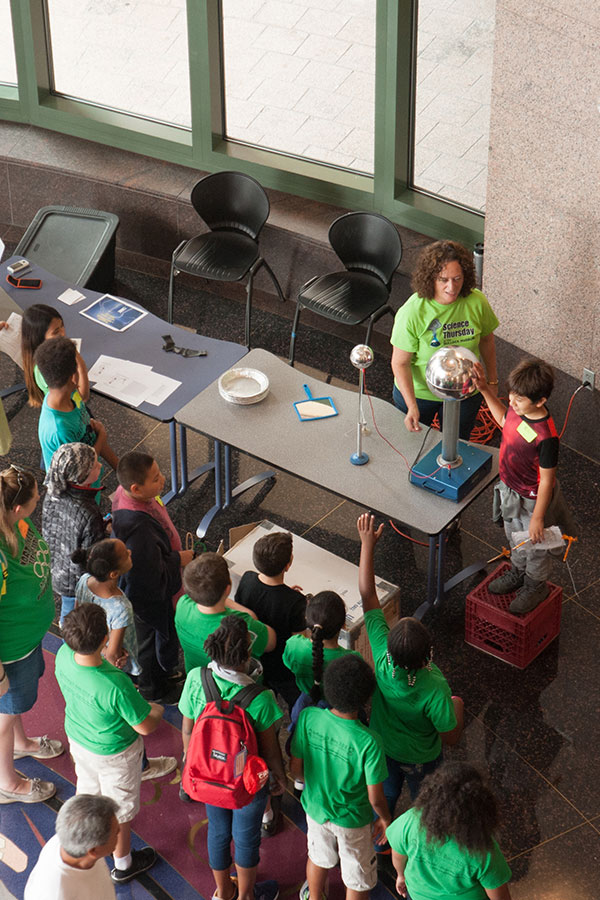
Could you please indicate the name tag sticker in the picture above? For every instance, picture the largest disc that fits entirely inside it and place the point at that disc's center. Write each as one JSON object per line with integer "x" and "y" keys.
{"x": 527, "y": 432}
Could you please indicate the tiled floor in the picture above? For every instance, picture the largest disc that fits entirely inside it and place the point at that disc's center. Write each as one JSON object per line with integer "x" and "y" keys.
{"x": 535, "y": 731}
{"x": 299, "y": 77}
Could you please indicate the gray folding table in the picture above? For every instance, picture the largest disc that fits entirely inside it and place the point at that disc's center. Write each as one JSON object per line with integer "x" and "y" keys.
{"x": 319, "y": 452}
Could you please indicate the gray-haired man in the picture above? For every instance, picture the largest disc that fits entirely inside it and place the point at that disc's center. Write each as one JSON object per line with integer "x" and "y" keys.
{"x": 70, "y": 866}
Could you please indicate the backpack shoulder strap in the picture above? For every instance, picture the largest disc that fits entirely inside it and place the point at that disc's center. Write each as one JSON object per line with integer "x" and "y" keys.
{"x": 210, "y": 687}
{"x": 245, "y": 697}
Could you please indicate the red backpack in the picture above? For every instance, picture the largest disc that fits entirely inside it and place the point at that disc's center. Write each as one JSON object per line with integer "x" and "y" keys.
{"x": 222, "y": 766}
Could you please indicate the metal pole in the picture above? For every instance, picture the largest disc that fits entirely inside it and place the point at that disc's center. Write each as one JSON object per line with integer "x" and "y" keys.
{"x": 449, "y": 455}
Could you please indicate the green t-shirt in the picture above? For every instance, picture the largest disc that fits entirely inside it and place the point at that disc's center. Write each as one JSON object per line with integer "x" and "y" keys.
{"x": 341, "y": 757}
{"x": 26, "y": 598}
{"x": 408, "y": 718}
{"x": 444, "y": 871}
{"x": 194, "y": 626}
{"x": 297, "y": 656}
{"x": 263, "y": 709}
{"x": 423, "y": 326}
{"x": 102, "y": 704}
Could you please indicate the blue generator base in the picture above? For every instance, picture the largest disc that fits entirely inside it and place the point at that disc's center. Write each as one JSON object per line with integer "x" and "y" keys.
{"x": 453, "y": 484}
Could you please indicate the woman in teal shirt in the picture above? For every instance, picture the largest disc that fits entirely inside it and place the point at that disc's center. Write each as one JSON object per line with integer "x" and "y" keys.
{"x": 26, "y": 612}
{"x": 443, "y": 848}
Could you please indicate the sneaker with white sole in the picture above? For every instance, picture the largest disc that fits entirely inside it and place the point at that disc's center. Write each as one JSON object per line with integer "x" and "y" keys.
{"x": 48, "y": 749}
{"x": 141, "y": 861}
{"x": 38, "y": 792}
{"x": 304, "y": 892}
{"x": 158, "y": 766}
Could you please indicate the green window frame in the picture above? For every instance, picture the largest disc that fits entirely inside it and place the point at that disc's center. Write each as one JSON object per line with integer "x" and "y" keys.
{"x": 203, "y": 147}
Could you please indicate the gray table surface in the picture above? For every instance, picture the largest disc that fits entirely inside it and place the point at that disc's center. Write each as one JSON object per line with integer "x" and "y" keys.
{"x": 319, "y": 451}
{"x": 141, "y": 343}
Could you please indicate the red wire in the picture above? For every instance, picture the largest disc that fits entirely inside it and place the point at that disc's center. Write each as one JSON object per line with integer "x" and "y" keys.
{"x": 389, "y": 443}
{"x": 408, "y": 538}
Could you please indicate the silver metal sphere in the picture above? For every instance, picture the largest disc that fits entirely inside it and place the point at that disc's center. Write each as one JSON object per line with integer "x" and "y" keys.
{"x": 361, "y": 356}
{"x": 449, "y": 373}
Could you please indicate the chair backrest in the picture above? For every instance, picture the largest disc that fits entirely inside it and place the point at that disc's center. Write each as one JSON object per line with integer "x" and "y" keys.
{"x": 368, "y": 242}
{"x": 231, "y": 201}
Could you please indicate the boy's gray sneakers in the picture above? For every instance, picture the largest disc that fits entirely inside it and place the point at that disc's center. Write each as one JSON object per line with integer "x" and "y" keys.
{"x": 529, "y": 596}
{"x": 508, "y": 582}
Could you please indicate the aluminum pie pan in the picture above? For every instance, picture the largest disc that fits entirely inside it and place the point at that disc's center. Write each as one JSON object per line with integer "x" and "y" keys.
{"x": 243, "y": 386}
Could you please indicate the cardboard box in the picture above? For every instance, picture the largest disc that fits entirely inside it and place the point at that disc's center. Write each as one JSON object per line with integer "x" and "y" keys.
{"x": 316, "y": 569}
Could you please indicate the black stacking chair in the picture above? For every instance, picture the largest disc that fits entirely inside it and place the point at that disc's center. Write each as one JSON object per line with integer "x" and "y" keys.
{"x": 370, "y": 248}
{"x": 235, "y": 208}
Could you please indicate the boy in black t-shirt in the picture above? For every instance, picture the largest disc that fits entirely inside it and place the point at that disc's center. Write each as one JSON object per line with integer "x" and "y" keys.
{"x": 527, "y": 497}
{"x": 276, "y": 604}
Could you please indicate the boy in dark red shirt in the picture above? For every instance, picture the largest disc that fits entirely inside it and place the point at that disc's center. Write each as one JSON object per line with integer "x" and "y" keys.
{"x": 527, "y": 497}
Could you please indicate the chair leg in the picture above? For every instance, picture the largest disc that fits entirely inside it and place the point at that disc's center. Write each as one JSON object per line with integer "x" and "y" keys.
{"x": 249, "y": 306}
{"x": 274, "y": 280}
{"x": 294, "y": 332}
{"x": 171, "y": 281}
{"x": 375, "y": 317}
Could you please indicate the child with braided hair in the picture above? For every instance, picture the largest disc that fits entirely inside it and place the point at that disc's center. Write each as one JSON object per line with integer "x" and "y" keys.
{"x": 307, "y": 655}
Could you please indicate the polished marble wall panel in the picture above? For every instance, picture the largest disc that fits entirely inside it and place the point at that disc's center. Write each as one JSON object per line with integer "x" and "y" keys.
{"x": 542, "y": 270}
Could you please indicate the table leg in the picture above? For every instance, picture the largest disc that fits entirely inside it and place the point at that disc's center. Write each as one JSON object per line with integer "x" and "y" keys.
{"x": 186, "y": 477}
{"x": 441, "y": 567}
{"x": 431, "y": 578}
{"x": 209, "y": 516}
{"x": 173, "y": 448}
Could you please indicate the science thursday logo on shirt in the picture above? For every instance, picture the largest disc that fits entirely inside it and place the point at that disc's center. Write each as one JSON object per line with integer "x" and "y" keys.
{"x": 452, "y": 332}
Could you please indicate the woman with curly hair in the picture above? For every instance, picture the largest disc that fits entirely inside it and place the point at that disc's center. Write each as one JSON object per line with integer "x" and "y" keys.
{"x": 444, "y": 846}
{"x": 446, "y": 310}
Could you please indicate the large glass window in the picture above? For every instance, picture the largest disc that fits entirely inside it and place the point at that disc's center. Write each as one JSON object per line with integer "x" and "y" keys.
{"x": 452, "y": 110}
{"x": 300, "y": 78}
{"x": 126, "y": 56}
{"x": 8, "y": 66}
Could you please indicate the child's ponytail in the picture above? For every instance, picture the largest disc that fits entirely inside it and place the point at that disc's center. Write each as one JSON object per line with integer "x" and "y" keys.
{"x": 325, "y": 617}
{"x": 99, "y": 560}
{"x": 316, "y": 636}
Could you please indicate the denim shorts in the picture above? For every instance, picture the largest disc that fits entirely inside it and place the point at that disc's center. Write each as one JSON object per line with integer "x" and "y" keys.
{"x": 23, "y": 676}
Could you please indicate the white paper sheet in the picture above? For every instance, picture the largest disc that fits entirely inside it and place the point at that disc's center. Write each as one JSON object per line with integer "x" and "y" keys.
{"x": 121, "y": 387}
{"x": 106, "y": 366}
{"x": 71, "y": 296}
{"x": 161, "y": 387}
{"x": 10, "y": 338}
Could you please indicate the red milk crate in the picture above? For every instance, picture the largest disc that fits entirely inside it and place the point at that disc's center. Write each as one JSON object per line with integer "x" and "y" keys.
{"x": 517, "y": 640}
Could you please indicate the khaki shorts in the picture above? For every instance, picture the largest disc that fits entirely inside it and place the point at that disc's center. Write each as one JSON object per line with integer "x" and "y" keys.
{"x": 117, "y": 776}
{"x": 352, "y": 846}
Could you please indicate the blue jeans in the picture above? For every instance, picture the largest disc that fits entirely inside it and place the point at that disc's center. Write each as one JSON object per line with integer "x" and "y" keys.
{"x": 414, "y": 773}
{"x": 67, "y": 605}
{"x": 241, "y": 825}
{"x": 428, "y": 408}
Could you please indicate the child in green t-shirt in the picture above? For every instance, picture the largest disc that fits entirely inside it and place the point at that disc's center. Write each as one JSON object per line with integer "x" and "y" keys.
{"x": 343, "y": 766}
{"x": 205, "y": 604}
{"x": 412, "y": 707}
{"x": 444, "y": 846}
{"x": 228, "y": 648}
{"x": 105, "y": 718}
